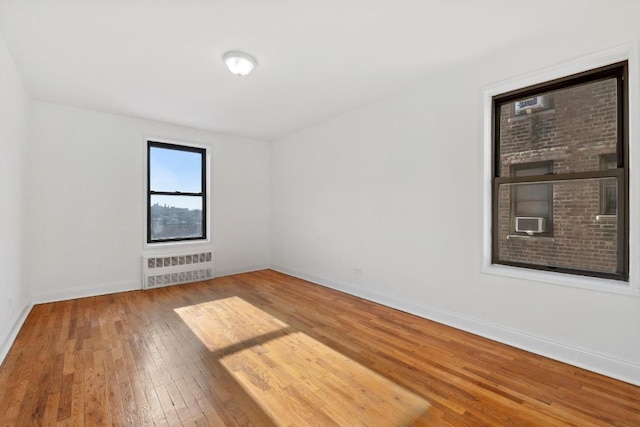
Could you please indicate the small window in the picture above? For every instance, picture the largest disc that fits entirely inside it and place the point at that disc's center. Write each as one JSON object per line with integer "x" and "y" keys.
{"x": 176, "y": 198}
{"x": 551, "y": 182}
{"x": 608, "y": 190}
{"x": 532, "y": 203}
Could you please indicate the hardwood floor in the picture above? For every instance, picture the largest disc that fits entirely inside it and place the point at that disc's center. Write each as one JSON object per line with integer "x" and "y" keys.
{"x": 266, "y": 349}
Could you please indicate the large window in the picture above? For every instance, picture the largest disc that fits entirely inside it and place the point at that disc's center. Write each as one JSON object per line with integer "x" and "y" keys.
{"x": 560, "y": 175}
{"x": 176, "y": 198}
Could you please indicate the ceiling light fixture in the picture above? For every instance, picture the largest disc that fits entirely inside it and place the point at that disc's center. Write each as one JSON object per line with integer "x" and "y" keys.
{"x": 239, "y": 63}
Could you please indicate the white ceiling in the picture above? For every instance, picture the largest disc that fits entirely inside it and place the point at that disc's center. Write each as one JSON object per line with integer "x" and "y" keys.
{"x": 161, "y": 59}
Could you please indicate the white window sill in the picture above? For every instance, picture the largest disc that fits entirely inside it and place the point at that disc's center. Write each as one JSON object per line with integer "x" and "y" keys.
{"x": 556, "y": 278}
{"x": 184, "y": 245}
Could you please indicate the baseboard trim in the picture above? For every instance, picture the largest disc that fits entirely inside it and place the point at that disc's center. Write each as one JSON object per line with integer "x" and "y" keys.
{"x": 86, "y": 291}
{"x": 13, "y": 331}
{"x": 591, "y": 361}
{"x": 124, "y": 286}
{"x": 241, "y": 269}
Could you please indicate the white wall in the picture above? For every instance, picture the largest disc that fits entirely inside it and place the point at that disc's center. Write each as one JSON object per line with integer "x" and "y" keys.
{"x": 394, "y": 189}
{"x": 14, "y": 104}
{"x": 86, "y": 200}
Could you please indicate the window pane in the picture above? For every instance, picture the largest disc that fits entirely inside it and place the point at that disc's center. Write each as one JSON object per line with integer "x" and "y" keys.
{"x": 175, "y": 170}
{"x": 582, "y": 238}
{"x": 532, "y": 192}
{"x": 534, "y": 208}
{"x": 176, "y": 217}
{"x": 570, "y": 126}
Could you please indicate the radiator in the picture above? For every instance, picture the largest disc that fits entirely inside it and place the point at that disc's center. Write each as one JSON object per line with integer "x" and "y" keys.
{"x": 175, "y": 269}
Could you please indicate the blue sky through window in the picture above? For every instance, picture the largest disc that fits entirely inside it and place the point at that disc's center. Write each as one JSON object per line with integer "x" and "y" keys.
{"x": 175, "y": 170}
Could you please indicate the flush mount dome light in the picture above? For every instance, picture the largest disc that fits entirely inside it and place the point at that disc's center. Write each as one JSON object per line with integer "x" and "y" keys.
{"x": 239, "y": 63}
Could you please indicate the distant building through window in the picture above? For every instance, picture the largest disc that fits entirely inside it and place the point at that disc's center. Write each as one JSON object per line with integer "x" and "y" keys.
{"x": 560, "y": 176}
{"x": 176, "y": 198}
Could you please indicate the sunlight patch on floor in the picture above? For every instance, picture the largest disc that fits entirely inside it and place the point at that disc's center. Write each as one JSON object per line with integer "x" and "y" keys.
{"x": 229, "y": 322}
{"x": 295, "y": 379}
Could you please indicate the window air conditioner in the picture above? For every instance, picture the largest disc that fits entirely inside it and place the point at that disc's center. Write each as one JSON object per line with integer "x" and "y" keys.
{"x": 529, "y": 224}
{"x": 527, "y": 106}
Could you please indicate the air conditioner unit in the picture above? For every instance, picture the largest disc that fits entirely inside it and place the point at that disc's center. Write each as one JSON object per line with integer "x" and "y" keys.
{"x": 529, "y": 105}
{"x": 529, "y": 224}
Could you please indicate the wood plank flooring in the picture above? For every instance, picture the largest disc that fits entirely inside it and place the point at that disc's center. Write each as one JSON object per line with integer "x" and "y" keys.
{"x": 266, "y": 349}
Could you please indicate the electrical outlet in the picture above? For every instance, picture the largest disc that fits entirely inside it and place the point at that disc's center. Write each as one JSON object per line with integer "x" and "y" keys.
{"x": 357, "y": 270}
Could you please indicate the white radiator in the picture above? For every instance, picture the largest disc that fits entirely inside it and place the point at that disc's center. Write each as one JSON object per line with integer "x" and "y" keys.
{"x": 175, "y": 269}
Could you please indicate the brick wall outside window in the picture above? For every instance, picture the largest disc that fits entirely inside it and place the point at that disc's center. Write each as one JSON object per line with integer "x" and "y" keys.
{"x": 577, "y": 127}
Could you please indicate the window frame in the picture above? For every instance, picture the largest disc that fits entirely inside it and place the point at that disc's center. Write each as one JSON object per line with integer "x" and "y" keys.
{"x": 202, "y": 194}
{"x": 618, "y": 70}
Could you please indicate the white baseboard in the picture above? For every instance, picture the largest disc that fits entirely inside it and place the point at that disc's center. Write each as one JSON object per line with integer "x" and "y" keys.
{"x": 124, "y": 286}
{"x": 240, "y": 269}
{"x": 86, "y": 291}
{"x": 13, "y": 330}
{"x": 595, "y": 362}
